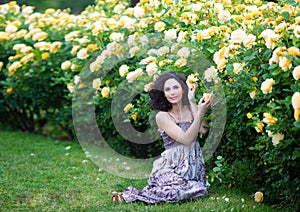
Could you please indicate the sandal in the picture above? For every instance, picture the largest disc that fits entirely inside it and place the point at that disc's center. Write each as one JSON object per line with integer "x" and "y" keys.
{"x": 117, "y": 198}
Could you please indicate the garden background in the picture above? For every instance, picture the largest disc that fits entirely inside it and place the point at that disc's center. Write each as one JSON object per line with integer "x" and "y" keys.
{"x": 252, "y": 48}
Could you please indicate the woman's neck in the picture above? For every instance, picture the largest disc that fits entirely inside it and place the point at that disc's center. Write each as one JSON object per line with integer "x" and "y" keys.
{"x": 177, "y": 109}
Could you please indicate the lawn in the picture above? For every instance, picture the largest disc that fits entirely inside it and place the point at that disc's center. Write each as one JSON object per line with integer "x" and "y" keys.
{"x": 43, "y": 174}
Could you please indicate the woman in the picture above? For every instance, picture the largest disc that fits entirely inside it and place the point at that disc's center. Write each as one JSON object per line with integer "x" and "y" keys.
{"x": 179, "y": 174}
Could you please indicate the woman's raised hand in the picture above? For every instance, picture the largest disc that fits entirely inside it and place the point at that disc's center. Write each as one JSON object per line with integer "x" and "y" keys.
{"x": 204, "y": 105}
{"x": 192, "y": 92}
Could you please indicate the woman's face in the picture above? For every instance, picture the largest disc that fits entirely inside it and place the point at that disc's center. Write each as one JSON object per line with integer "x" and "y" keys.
{"x": 173, "y": 91}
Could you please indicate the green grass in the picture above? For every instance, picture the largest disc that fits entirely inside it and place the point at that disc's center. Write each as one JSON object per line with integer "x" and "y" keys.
{"x": 41, "y": 174}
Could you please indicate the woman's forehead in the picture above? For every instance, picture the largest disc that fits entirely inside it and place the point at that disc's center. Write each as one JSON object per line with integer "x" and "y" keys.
{"x": 171, "y": 82}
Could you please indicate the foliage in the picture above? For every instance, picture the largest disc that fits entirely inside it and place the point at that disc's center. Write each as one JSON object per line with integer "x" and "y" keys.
{"x": 252, "y": 46}
{"x": 32, "y": 180}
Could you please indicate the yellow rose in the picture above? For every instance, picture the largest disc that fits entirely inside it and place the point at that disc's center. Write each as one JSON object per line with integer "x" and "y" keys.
{"x": 9, "y": 90}
{"x": 42, "y": 46}
{"x": 163, "y": 50}
{"x": 269, "y": 119}
{"x": 237, "y": 68}
{"x": 296, "y": 100}
{"x": 252, "y": 94}
{"x": 297, "y": 115}
{"x": 133, "y": 51}
{"x": 133, "y": 75}
{"x": 267, "y": 85}
{"x": 45, "y": 55}
{"x": 171, "y": 34}
{"x": 293, "y": 51}
{"x": 134, "y": 116}
{"x": 26, "y": 50}
{"x": 296, "y": 72}
{"x": 184, "y": 52}
{"x": 116, "y": 36}
{"x": 96, "y": 83}
{"x": 128, "y": 107}
{"x": 148, "y": 87}
{"x": 39, "y": 36}
{"x": 123, "y": 70}
{"x": 95, "y": 66}
{"x": 92, "y": 47}
{"x": 72, "y": 35}
{"x": 11, "y": 28}
{"x": 19, "y": 46}
{"x": 27, "y": 58}
{"x": 224, "y": 16}
{"x": 55, "y": 46}
{"x": 206, "y": 96}
{"x": 249, "y": 115}
{"x": 151, "y": 68}
{"x": 238, "y": 36}
{"x": 27, "y": 10}
{"x": 258, "y": 196}
{"x": 249, "y": 40}
{"x": 4, "y": 36}
{"x": 66, "y": 65}
{"x": 105, "y": 92}
{"x": 75, "y": 49}
{"x": 297, "y": 31}
{"x": 20, "y": 33}
{"x": 182, "y": 36}
{"x": 82, "y": 54}
{"x": 221, "y": 64}
{"x": 13, "y": 67}
{"x": 1, "y": 65}
{"x": 285, "y": 63}
{"x": 210, "y": 74}
{"x": 276, "y": 138}
{"x": 180, "y": 62}
{"x": 191, "y": 80}
{"x": 259, "y": 127}
{"x": 159, "y": 26}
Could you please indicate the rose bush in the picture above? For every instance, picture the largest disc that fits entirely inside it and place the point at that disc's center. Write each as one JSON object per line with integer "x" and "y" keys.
{"x": 250, "y": 48}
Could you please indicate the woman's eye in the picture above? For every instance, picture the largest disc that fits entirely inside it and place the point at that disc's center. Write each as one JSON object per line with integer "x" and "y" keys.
{"x": 176, "y": 87}
{"x": 167, "y": 89}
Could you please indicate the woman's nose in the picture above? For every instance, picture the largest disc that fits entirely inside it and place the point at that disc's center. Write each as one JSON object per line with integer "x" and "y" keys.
{"x": 172, "y": 91}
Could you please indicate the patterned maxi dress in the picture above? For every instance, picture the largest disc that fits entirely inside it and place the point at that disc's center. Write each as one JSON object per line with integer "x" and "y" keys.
{"x": 179, "y": 174}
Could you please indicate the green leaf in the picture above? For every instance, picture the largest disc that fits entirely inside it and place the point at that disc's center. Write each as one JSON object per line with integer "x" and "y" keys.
{"x": 276, "y": 72}
{"x": 297, "y": 124}
{"x": 295, "y": 87}
{"x": 296, "y": 154}
{"x": 272, "y": 66}
{"x": 229, "y": 67}
{"x": 285, "y": 15}
{"x": 211, "y": 50}
{"x": 216, "y": 169}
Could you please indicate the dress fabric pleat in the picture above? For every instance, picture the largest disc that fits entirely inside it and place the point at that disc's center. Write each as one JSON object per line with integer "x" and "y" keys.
{"x": 179, "y": 174}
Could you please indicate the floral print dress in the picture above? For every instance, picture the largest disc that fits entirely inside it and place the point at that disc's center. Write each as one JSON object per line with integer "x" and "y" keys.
{"x": 179, "y": 174}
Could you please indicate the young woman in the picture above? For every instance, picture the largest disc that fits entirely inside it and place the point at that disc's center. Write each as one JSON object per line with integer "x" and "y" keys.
{"x": 179, "y": 174}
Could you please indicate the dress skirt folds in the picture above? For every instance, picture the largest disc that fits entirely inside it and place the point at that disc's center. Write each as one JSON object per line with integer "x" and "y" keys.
{"x": 179, "y": 174}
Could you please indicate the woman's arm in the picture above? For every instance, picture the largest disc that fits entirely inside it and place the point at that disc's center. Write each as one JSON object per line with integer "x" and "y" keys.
{"x": 191, "y": 95}
{"x": 168, "y": 125}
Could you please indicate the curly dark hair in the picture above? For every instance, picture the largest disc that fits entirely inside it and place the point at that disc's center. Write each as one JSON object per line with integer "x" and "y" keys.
{"x": 158, "y": 100}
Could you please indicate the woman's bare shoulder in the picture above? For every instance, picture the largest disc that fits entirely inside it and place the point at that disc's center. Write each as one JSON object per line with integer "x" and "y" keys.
{"x": 161, "y": 116}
